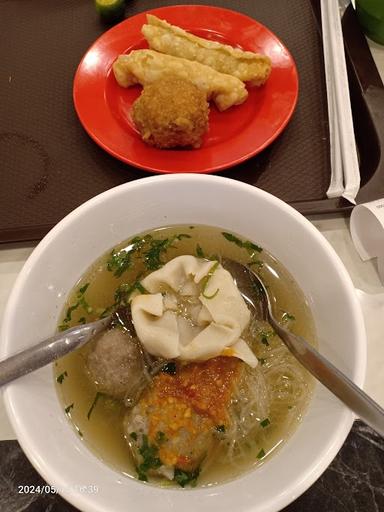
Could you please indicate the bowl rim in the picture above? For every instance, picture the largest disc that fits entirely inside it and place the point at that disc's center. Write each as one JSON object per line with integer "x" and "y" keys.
{"x": 339, "y": 434}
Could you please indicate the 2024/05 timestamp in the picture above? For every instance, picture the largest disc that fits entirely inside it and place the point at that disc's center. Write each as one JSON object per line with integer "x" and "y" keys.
{"x": 50, "y": 489}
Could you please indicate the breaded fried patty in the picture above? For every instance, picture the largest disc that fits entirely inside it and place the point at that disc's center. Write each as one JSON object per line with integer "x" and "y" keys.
{"x": 179, "y": 416}
{"x": 171, "y": 112}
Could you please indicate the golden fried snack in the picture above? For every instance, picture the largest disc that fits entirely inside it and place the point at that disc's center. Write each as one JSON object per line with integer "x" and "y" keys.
{"x": 181, "y": 414}
{"x": 172, "y": 40}
{"x": 147, "y": 66}
{"x": 171, "y": 112}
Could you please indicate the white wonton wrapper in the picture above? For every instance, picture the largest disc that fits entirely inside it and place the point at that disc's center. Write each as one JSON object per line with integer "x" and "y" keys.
{"x": 208, "y": 327}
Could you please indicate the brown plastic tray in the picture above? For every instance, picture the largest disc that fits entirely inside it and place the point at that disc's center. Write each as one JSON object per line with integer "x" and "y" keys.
{"x": 367, "y": 100}
{"x": 49, "y": 165}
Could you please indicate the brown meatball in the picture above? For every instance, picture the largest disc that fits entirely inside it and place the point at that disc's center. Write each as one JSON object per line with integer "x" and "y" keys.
{"x": 115, "y": 364}
{"x": 171, "y": 112}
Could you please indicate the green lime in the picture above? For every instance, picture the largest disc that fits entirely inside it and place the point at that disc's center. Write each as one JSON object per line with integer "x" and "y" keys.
{"x": 110, "y": 10}
{"x": 370, "y": 14}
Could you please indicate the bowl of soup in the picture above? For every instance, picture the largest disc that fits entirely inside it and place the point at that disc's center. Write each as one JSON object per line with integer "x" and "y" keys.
{"x": 189, "y": 399}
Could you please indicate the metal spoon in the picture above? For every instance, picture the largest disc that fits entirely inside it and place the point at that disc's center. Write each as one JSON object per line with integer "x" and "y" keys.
{"x": 59, "y": 345}
{"x": 63, "y": 343}
{"x": 49, "y": 350}
{"x": 256, "y": 296}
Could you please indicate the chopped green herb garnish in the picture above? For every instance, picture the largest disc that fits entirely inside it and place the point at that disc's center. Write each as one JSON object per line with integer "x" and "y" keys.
{"x": 124, "y": 291}
{"x": 252, "y": 249}
{"x": 290, "y": 406}
{"x": 170, "y": 368}
{"x": 265, "y": 423}
{"x": 133, "y": 435}
{"x": 81, "y": 302}
{"x": 211, "y": 296}
{"x": 67, "y": 409}
{"x": 191, "y": 227}
{"x": 119, "y": 262}
{"x": 83, "y": 289}
{"x": 249, "y": 246}
{"x": 220, "y": 428}
{"x": 147, "y": 248}
{"x": 184, "y": 478}
{"x": 140, "y": 287}
{"x": 261, "y": 360}
{"x": 265, "y": 335}
{"x": 206, "y": 279}
{"x": 137, "y": 242}
{"x": 152, "y": 256}
{"x": 96, "y": 399}
{"x": 141, "y": 475}
{"x": 82, "y": 320}
{"x": 199, "y": 252}
{"x": 232, "y": 238}
{"x": 261, "y": 454}
{"x": 61, "y": 377}
{"x": 286, "y": 317}
{"x": 161, "y": 437}
{"x": 70, "y": 310}
{"x": 150, "y": 457}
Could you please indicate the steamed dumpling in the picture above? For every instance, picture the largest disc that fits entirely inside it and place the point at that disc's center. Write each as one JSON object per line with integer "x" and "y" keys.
{"x": 193, "y": 312}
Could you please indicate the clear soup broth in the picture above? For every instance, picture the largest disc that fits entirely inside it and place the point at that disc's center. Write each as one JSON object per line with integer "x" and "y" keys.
{"x": 268, "y": 403}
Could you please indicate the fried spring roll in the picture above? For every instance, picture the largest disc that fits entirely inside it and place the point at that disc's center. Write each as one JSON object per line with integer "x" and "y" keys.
{"x": 244, "y": 65}
{"x": 147, "y": 66}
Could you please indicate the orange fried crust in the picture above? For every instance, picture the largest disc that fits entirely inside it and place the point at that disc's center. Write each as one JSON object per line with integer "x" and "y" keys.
{"x": 186, "y": 408}
{"x": 171, "y": 112}
{"x": 206, "y": 386}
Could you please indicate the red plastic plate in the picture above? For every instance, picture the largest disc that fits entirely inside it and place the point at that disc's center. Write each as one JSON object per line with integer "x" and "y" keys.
{"x": 235, "y": 135}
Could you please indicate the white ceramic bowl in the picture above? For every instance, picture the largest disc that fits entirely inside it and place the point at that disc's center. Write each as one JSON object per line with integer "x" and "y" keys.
{"x": 67, "y": 251}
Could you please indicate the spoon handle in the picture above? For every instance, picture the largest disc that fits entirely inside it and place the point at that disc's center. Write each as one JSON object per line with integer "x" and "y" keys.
{"x": 335, "y": 380}
{"x": 48, "y": 350}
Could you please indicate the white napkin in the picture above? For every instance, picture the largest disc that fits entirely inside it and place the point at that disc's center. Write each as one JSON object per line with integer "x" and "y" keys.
{"x": 367, "y": 231}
